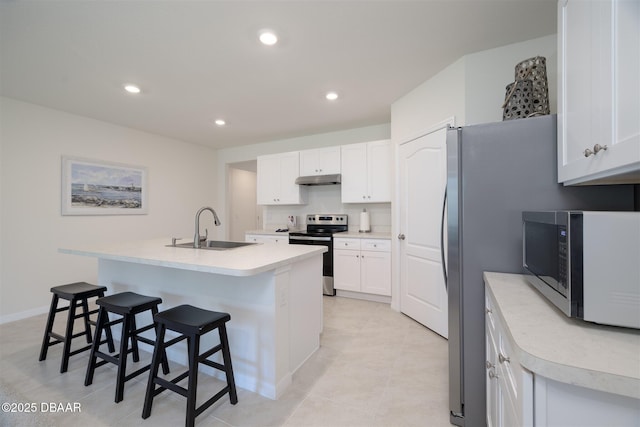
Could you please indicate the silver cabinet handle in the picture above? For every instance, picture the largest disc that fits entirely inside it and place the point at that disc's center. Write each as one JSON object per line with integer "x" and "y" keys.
{"x": 597, "y": 148}
{"x": 503, "y": 359}
{"x": 493, "y": 375}
{"x": 401, "y": 236}
{"x": 490, "y": 365}
{"x": 489, "y": 311}
{"x": 588, "y": 152}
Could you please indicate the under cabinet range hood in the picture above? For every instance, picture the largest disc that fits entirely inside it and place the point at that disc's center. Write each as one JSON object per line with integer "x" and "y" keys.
{"x": 335, "y": 178}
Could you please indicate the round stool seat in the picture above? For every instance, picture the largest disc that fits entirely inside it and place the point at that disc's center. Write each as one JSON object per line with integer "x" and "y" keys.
{"x": 188, "y": 319}
{"x": 78, "y": 290}
{"x": 128, "y": 303}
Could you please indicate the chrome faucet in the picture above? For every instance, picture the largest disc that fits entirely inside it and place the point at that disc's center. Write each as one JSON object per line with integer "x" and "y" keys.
{"x": 216, "y": 221}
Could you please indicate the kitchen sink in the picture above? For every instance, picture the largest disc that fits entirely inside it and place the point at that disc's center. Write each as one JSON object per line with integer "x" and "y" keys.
{"x": 214, "y": 245}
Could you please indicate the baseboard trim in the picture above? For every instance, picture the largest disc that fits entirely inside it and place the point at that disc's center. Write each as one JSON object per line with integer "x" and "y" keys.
{"x": 7, "y": 318}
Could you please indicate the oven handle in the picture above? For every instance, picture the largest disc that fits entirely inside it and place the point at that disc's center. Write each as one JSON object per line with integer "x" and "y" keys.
{"x": 292, "y": 239}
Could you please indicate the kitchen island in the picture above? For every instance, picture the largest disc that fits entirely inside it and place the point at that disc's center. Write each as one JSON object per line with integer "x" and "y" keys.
{"x": 273, "y": 294}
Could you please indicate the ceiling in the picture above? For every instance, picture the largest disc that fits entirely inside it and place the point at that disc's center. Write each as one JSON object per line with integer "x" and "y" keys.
{"x": 197, "y": 61}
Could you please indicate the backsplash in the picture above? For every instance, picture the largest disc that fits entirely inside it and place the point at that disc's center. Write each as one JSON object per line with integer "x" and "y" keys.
{"x": 326, "y": 199}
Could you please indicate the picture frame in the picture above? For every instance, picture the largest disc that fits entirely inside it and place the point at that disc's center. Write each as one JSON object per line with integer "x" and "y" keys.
{"x": 96, "y": 187}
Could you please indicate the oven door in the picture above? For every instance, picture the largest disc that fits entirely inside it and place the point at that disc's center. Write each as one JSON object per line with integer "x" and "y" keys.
{"x": 327, "y": 257}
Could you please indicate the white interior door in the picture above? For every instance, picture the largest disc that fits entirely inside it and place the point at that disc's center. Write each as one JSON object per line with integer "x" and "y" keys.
{"x": 422, "y": 181}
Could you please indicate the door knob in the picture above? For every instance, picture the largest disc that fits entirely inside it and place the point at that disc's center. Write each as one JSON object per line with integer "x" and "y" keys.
{"x": 401, "y": 236}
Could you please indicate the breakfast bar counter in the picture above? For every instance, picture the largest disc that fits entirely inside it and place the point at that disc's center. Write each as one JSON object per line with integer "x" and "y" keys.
{"x": 273, "y": 294}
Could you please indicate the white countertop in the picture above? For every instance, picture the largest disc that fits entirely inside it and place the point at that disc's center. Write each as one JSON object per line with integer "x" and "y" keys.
{"x": 568, "y": 350}
{"x": 243, "y": 261}
{"x": 347, "y": 234}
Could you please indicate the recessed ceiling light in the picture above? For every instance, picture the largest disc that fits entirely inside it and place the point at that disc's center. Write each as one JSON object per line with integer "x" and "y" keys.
{"x": 268, "y": 37}
{"x": 331, "y": 96}
{"x": 220, "y": 122}
{"x": 132, "y": 88}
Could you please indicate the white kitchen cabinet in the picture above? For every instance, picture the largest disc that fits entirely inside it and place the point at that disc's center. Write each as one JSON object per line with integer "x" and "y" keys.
{"x": 276, "y": 180}
{"x": 362, "y": 265}
{"x": 509, "y": 385}
{"x": 599, "y": 91}
{"x": 366, "y": 172}
{"x": 320, "y": 161}
{"x": 579, "y": 380}
{"x": 265, "y": 238}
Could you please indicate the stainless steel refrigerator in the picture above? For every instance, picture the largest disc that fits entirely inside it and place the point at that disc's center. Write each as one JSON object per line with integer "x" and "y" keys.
{"x": 494, "y": 172}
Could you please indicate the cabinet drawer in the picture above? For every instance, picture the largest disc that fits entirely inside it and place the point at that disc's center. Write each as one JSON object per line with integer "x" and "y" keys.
{"x": 342, "y": 243}
{"x": 375, "y": 245}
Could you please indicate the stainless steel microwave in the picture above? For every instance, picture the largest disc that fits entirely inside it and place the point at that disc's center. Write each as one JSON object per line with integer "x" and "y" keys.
{"x": 587, "y": 263}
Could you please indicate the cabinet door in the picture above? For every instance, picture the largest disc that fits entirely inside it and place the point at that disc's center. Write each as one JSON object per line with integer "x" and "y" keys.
{"x": 320, "y": 161}
{"x": 309, "y": 163}
{"x": 599, "y": 102}
{"x": 268, "y": 180}
{"x": 493, "y": 409}
{"x": 346, "y": 270}
{"x": 375, "y": 272}
{"x": 290, "y": 193}
{"x": 379, "y": 157}
{"x": 354, "y": 173}
{"x": 626, "y": 38}
{"x": 329, "y": 160}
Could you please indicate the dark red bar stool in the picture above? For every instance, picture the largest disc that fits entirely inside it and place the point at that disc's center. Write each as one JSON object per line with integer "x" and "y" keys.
{"x": 127, "y": 305}
{"x": 191, "y": 322}
{"x": 77, "y": 294}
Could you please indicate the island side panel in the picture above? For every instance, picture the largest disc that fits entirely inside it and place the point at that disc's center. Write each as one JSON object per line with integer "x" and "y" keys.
{"x": 305, "y": 295}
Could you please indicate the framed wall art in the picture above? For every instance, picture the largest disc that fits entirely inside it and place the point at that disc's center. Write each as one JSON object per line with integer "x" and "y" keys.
{"x": 95, "y": 187}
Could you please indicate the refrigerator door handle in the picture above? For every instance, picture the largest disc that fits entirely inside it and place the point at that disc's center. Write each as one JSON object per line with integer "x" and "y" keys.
{"x": 442, "y": 254}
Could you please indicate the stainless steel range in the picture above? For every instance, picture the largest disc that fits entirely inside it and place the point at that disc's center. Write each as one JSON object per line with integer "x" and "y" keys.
{"x": 320, "y": 231}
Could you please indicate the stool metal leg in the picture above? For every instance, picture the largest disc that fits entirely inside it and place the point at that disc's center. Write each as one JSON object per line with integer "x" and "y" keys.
{"x": 48, "y": 328}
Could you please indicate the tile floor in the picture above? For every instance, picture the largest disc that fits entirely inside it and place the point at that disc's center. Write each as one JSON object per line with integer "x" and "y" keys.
{"x": 375, "y": 367}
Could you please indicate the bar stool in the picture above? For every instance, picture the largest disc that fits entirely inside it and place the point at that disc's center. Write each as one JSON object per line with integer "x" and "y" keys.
{"x": 127, "y": 305}
{"x": 191, "y": 322}
{"x": 77, "y": 294}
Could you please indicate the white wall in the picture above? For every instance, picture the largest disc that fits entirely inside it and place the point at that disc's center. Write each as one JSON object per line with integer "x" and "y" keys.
{"x": 243, "y": 214}
{"x": 435, "y": 100}
{"x": 181, "y": 178}
{"x": 487, "y": 73}
{"x": 471, "y": 89}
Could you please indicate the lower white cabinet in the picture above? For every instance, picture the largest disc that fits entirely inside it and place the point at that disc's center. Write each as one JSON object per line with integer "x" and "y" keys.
{"x": 266, "y": 238}
{"x": 362, "y": 265}
{"x": 509, "y": 385}
{"x": 512, "y": 399}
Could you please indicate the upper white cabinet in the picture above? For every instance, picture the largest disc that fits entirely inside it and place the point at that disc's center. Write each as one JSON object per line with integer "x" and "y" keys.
{"x": 320, "y": 161}
{"x": 276, "y": 180}
{"x": 366, "y": 172}
{"x": 599, "y": 91}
